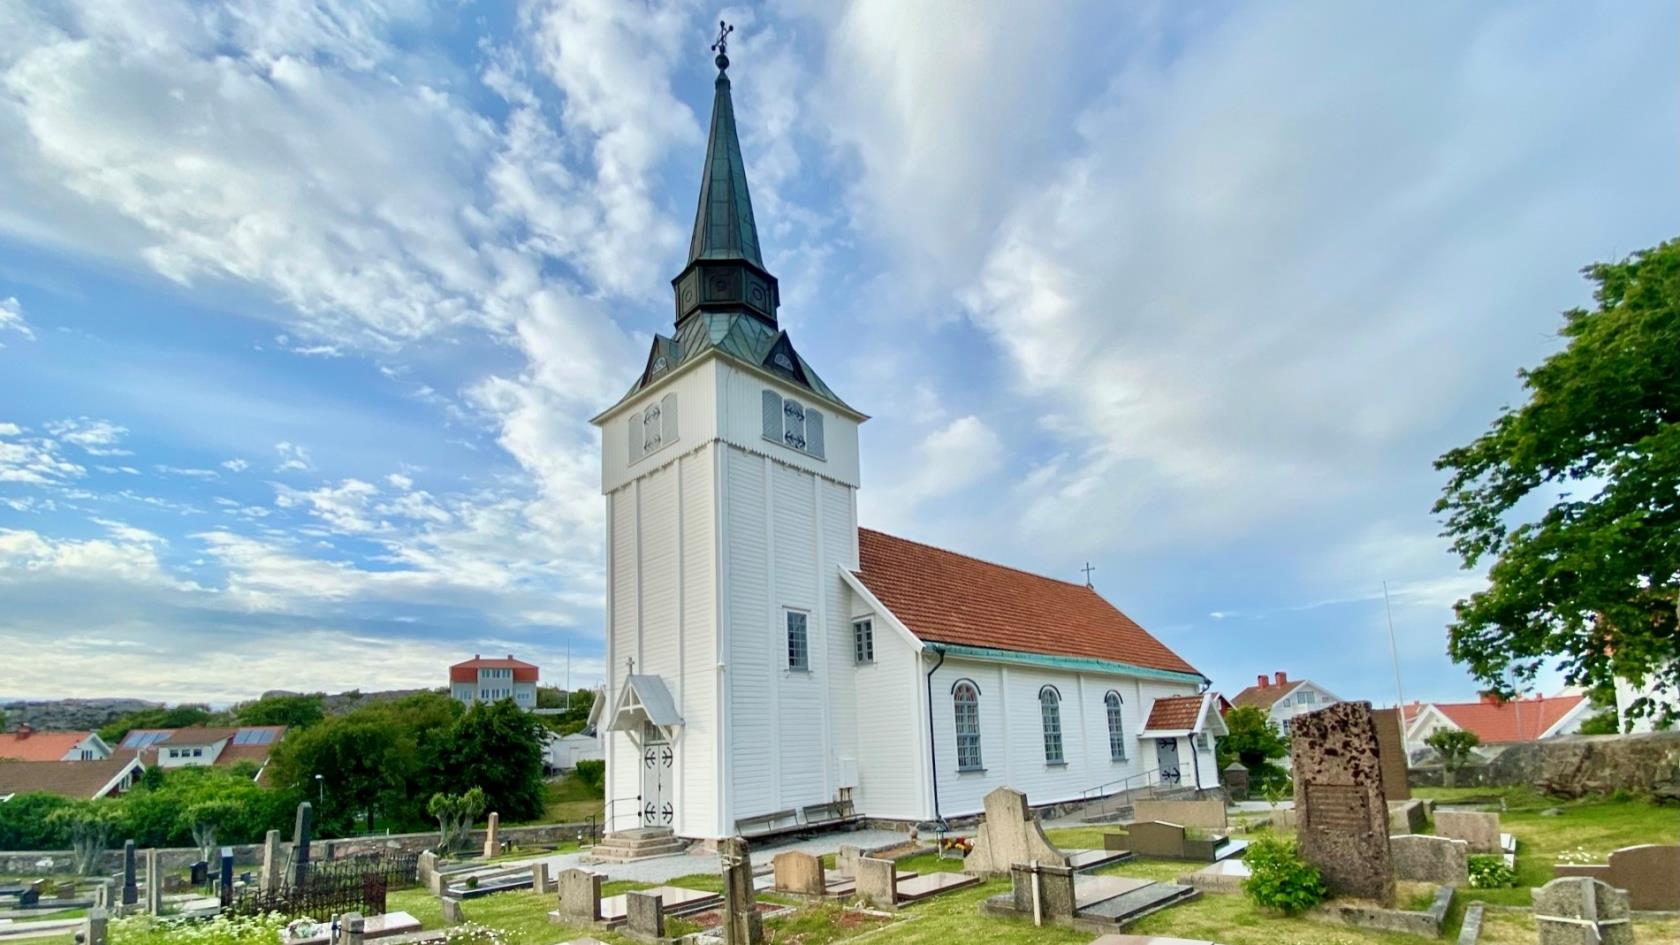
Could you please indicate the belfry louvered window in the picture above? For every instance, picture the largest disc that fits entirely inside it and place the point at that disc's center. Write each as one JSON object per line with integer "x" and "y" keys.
{"x": 792, "y": 424}
{"x": 655, "y": 426}
{"x": 1050, "y": 711}
{"x": 1116, "y": 727}
{"x": 965, "y": 703}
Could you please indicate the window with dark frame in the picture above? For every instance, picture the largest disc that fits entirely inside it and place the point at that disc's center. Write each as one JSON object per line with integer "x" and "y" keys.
{"x": 863, "y": 640}
{"x": 1116, "y": 726}
{"x": 798, "y": 642}
{"x": 965, "y": 702}
{"x": 1050, "y": 711}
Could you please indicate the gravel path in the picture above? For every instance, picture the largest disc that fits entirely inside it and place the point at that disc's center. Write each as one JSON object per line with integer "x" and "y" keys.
{"x": 666, "y": 868}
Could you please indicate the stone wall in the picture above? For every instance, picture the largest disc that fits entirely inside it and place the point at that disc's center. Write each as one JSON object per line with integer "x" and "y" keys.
{"x": 28, "y": 862}
{"x": 1576, "y": 766}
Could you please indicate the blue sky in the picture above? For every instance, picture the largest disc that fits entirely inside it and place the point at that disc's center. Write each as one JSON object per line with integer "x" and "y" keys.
{"x": 304, "y": 305}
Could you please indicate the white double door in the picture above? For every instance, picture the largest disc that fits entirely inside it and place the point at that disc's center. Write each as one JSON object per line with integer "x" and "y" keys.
{"x": 658, "y": 808}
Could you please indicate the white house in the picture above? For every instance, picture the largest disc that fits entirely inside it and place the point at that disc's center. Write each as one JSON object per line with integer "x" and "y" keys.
{"x": 482, "y": 679}
{"x": 24, "y": 743}
{"x": 1661, "y": 703}
{"x": 1282, "y": 698}
{"x": 766, "y": 655}
{"x": 565, "y": 751}
{"x": 203, "y": 746}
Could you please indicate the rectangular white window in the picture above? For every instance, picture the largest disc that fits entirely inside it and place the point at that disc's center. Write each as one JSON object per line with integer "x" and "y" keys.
{"x": 1306, "y": 697}
{"x": 798, "y": 644}
{"x": 863, "y": 640}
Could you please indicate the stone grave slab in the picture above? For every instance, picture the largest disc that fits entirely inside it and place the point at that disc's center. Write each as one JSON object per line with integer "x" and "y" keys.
{"x": 1090, "y": 890}
{"x": 1649, "y": 872}
{"x": 1208, "y": 814}
{"x": 676, "y": 900}
{"x": 1008, "y": 835}
{"x": 1480, "y": 829}
{"x": 1577, "y": 910}
{"x": 916, "y": 888}
{"x": 379, "y": 926}
{"x": 799, "y": 873}
{"x": 1138, "y": 903}
{"x": 1091, "y": 859}
{"x": 1225, "y": 876}
{"x": 1425, "y": 859}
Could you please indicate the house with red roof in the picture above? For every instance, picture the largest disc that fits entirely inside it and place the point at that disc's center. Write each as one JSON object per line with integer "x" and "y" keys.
{"x": 1498, "y": 721}
{"x": 24, "y": 743}
{"x": 492, "y": 680}
{"x": 1282, "y": 698}
{"x": 771, "y": 665}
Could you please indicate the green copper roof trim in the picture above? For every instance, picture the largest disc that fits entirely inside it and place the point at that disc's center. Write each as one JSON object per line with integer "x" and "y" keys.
{"x": 723, "y": 223}
{"x": 1074, "y": 663}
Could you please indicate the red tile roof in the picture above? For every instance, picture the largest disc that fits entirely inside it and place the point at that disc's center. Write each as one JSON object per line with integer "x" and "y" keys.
{"x": 1173, "y": 714}
{"x": 467, "y": 670}
{"x": 39, "y": 746}
{"x": 945, "y": 597}
{"x": 1262, "y": 697}
{"x": 84, "y": 779}
{"x": 1522, "y": 720}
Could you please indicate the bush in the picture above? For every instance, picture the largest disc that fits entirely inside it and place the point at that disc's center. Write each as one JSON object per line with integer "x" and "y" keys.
{"x": 1488, "y": 871}
{"x": 221, "y": 930}
{"x": 26, "y": 823}
{"x": 594, "y": 774}
{"x": 1279, "y": 879}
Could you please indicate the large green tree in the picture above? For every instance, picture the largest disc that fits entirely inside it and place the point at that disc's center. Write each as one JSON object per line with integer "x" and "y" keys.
{"x": 292, "y": 711}
{"x": 1573, "y": 498}
{"x": 499, "y": 747}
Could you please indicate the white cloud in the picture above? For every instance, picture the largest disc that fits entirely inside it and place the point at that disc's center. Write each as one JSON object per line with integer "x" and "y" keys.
{"x": 235, "y": 465}
{"x": 946, "y": 461}
{"x": 11, "y": 318}
{"x": 33, "y": 460}
{"x": 94, "y": 437}
{"x": 188, "y": 472}
{"x": 293, "y": 458}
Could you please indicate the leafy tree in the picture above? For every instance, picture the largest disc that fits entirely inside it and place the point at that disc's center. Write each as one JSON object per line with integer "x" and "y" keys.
{"x": 27, "y": 822}
{"x": 1253, "y": 737}
{"x": 163, "y": 812}
{"x": 2, "y": 720}
{"x": 1573, "y": 498}
{"x": 89, "y": 824}
{"x": 499, "y": 747}
{"x": 1454, "y": 746}
{"x": 455, "y": 815}
{"x": 292, "y": 711}
{"x": 205, "y": 817}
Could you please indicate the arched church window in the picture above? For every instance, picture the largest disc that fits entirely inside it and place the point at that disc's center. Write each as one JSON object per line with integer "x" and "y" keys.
{"x": 1050, "y": 712}
{"x": 1116, "y": 727}
{"x": 965, "y": 702}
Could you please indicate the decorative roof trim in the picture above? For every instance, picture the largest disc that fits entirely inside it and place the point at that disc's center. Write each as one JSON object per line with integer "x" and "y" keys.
{"x": 1070, "y": 663}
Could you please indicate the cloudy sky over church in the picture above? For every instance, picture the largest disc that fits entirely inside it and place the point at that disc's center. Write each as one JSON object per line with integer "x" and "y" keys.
{"x": 305, "y": 307}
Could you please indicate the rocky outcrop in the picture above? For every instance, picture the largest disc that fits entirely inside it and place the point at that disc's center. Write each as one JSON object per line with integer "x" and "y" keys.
{"x": 71, "y": 715}
{"x": 1578, "y": 766}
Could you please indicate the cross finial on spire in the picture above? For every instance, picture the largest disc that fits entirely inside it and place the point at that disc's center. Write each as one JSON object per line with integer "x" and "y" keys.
{"x": 721, "y": 47}
{"x": 630, "y": 665}
{"x": 1088, "y": 569}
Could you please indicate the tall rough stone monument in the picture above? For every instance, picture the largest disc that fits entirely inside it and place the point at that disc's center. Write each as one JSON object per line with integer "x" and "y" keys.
{"x": 300, "y": 844}
{"x": 154, "y": 883}
{"x": 1342, "y": 813}
{"x": 1578, "y": 910}
{"x": 742, "y": 924}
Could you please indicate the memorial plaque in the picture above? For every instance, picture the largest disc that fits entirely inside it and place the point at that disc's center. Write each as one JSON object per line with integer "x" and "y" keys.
{"x": 1337, "y": 807}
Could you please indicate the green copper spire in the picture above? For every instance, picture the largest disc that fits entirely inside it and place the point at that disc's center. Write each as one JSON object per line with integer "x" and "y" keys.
{"x": 725, "y": 266}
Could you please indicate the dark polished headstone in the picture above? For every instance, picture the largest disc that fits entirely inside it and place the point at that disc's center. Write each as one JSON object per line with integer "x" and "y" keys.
{"x": 300, "y": 843}
{"x": 131, "y": 884}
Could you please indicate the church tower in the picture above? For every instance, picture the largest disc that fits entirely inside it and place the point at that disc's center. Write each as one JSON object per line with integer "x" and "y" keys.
{"x": 730, "y": 472}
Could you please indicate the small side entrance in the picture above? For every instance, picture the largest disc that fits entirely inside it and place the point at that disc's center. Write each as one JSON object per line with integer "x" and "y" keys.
{"x": 658, "y": 774}
{"x": 1166, "y": 758}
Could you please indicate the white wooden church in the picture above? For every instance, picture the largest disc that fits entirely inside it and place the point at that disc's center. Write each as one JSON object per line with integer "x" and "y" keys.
{"x": 767, "y": 657}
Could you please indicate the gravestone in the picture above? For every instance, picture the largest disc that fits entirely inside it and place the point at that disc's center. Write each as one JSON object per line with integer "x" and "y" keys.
{"x": 131, "y": 887}
{"x": 154, "y": 883}
{"x": 227, "y": 876}
{"x": 354, "y": 929}
{"x": 102, "y": 894}
{"x": 799, "y": 873}
{"x": 327, "y": 850}
{"x": 1208, "y": 814}
{"x": 644, "y": 916}
{"x": 300, "y": 844}
{"x": 1578, "y": 910}
{"x": 877, "y": 882}
{"x": 1425, "y": 859}
{"x": 742, "y": 924}
{"x": 580, "y": 895}
{"x": 1043, "y": 892}
{"x": 1650, "y": 873}
{"x": 1008, "y": 836}
{"x": 492, "y": 836}
{"x": 98, "y": 926}
{"x": 199, "y": 874}
{"x": 1343, "y": 816}
{"x": 452, "y": 911}
{"x": 1157, "y": 839}
{"x": 845, "y": 859}
{"x": 273, "y": 862}
{"x": 1478, "y": 828}
{"x": 424, "y": 866}
{"x": 1235, "y": 779}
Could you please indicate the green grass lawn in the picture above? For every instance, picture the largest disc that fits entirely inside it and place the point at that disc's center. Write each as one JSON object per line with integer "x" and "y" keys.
{"x": 1597, "y": 825}
{"x": 570, "y": 801}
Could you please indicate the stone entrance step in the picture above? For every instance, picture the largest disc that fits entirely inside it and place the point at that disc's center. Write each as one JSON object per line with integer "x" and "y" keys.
{"x": 641, "y": 844}
{"x": 1131, "y": 906}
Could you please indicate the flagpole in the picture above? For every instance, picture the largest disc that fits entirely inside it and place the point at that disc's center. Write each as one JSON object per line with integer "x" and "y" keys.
{"x": 1394, "y": 652}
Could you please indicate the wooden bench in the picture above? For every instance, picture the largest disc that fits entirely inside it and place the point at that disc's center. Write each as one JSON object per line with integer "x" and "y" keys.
{"x": 831, "y": 814}
{"x": 768, "y": 825}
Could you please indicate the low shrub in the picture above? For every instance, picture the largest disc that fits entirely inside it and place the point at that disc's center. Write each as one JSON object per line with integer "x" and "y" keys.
{"x": 593, "y": 773}
{"x": 221, "y": 930}
{"x": 1279, "y": 879}
{"x": 1488, "y": 871}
